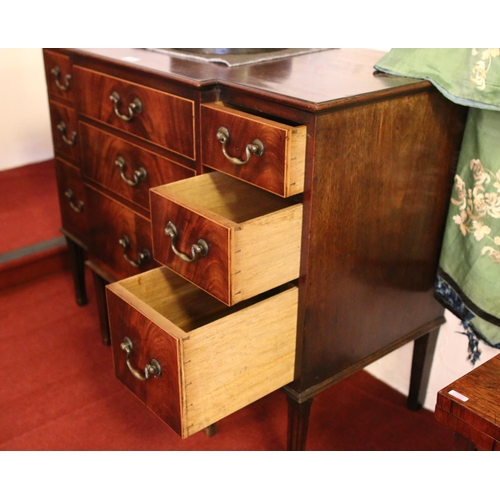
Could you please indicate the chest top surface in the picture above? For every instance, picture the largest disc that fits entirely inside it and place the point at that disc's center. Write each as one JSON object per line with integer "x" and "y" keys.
{"x": 314, "y": 81}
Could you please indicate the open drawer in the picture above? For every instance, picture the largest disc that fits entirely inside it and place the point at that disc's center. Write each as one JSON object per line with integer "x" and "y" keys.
{"x": 204, "y": 361}
{"x": 231, "y": 239}
{"x": 263, "y": 152}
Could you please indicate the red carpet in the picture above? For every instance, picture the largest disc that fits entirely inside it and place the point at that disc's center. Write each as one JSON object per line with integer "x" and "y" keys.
{"x": 28, "y": 206}
{"x": 58, "y": 392}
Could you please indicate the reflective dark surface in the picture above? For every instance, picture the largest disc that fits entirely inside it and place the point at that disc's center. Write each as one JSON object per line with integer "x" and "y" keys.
{"x": 227, "y": 52}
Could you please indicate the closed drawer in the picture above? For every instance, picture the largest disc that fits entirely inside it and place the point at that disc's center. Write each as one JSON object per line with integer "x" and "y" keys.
{"x": 119, "y": 238}
{"x": 71, "y": 199}
{"x": 59, "y": 75}
{"x": 126, "y": 169}
{"x": 64, "y": 131}
{"x": 277, "y": 162}
{"x": 156, "y": 116}
{"x": 214, "y": 360}
{"x": 250, "y": 239}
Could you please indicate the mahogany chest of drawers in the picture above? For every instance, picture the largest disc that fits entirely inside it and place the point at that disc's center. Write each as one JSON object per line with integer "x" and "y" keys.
{"x": 275, "y": 225}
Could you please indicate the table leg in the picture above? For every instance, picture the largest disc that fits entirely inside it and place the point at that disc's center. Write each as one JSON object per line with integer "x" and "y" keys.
{"x": 102, "y": 309}
{"x": 461, "y": 443}
{"x": 210, "y": 431}
{"x": 77, "y": 262}
{"x": 423, "y": 353}
{"x": 298, "y": 422}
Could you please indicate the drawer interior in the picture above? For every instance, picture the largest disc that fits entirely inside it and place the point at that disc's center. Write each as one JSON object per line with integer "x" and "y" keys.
{"x": 224, "y": 196}
{"x": 180, "y": 302}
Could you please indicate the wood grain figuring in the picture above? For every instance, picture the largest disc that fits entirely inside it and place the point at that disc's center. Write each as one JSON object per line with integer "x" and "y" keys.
{"x": 379, "y": 192}
{"x": 165, "y": 119}
{"x": 63, "y": 62}
{"x": 281, "y": 167}
{"x": 103, "y": 149}
{"x": 478, "y": 418}
{"x": 253, "y": 236}
{"x": 108, "y": 221}
{"x": 203, "y": 347}
{"x": 60, "y": 113}
{"x": 69, "y": 177}
{"x": 161, "y": 394}
{"x": 239, "y": 359}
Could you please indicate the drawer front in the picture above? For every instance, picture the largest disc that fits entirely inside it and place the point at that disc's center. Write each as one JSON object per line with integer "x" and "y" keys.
{"x": 71, "y": 199}
{"x": 126, "y": 169}
{"x": 278, "y": 163}
{"x": 155, "y": 116}
{"x": 64, "y": 131}
{"x": 214, "y": 360}
{"x": 118, "y": 237}
{"x": 150, "y": 341}
{"x": 59, "y": 75}
{"x": 249, "y": 239}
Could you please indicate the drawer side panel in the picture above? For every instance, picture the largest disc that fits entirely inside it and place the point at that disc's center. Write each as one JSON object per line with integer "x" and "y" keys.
{"x": 238, "y": 359}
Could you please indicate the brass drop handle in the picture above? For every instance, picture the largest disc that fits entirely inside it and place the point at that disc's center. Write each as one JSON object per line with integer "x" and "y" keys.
{"x": 142, "y": 257}
{"x": 57, "y": 73}
{"x": 77, "y": 207}
{"x": 255, "y": 148}
{"x": 139, "y": 174}
{"x": 134, "y": 107}
{"x": 197, "y": 249}
{"x": 153, "y": 368}
{"x": 61, "y": 126}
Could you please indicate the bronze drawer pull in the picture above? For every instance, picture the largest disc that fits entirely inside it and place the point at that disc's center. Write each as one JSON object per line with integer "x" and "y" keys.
{"x": 77, "y": 207}
{"x": 151, "y": 369}
{"x": 139, "y": 175}
{"x": 57, "y": 73}
{"x": 142, "y": 257}
{"x": 197, "y": 249}
{"x": 134, "y": 107}
{"x": 62, "y": 128}
{"x": 256, "y": 148}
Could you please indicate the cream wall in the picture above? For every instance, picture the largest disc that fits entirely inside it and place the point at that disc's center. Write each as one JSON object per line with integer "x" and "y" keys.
{"x": 25, "y": 135}
{"x": 25, "y": 138}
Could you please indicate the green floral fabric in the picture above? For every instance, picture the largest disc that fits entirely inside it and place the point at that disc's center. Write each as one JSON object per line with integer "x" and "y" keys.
{"x": 469, "y": 275}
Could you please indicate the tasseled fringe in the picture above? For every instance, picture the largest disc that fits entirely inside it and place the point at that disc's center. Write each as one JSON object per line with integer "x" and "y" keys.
{"x": 454, "y": 303}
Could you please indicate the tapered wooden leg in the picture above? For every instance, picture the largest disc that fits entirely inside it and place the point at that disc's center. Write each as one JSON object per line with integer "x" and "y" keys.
{"x": 100, "y": 292}
{"x": 77, "y": 261}
{"x": 210, "y": 431}
{"x": 423, "y": 353}
{"x": 298, "y": 423}
{"x": 461, "y": 443}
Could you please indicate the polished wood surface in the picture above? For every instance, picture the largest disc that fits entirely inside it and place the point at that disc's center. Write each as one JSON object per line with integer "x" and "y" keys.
{"x": 66, "y": 140}
{"x": 472, "y": 409}
{"x": 101, "y": 153}
{"x": 312, "y": 82}
{"x": 61, "y": 64}
{"x": 109, "y": 221}
{"x": 377, "y": 194}
{"x": 165, "y": 119}
{"x": 280, "y": 167}
{"x": 71, "y": 199}
{"x": 161, "y": 394}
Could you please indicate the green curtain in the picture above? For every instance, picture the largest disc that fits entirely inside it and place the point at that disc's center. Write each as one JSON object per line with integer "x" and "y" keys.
{"x": 468, "y": 281}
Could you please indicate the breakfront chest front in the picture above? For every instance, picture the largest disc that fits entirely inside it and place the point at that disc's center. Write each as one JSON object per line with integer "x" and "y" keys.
{"x": 251, "y": 228}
